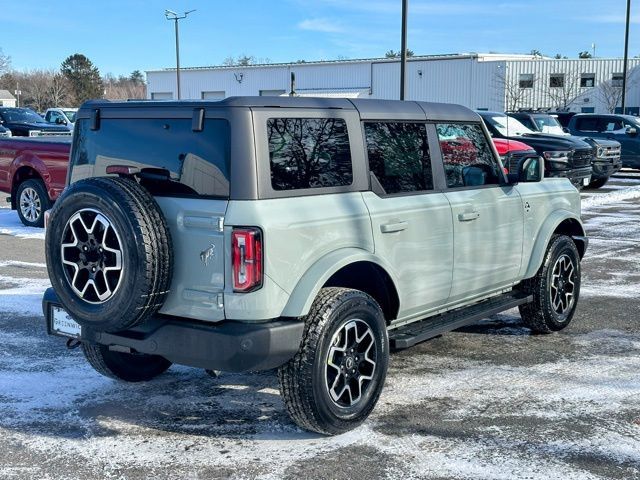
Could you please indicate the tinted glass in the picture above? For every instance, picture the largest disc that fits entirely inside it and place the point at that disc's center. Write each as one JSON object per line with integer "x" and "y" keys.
{"x": 468, "y": 158}
{"x": 309, "y": 153}
{"x": 399, "y": 156}
{"x": 587, "y": 124}
{"x": 197, "y": 161}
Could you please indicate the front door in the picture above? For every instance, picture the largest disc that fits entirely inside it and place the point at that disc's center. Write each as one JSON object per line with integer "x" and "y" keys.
{"x": 487, "y": 216}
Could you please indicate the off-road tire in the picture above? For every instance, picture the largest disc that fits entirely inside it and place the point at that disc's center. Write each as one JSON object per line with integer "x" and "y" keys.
{"x": 38, "y": 187}
{"x": 130, "y": 367}
{"x": 597, "y": 183}
{"x": 146, "y": 250}
{"x": 540, "y": 315}
{"x": 302, "y": 380}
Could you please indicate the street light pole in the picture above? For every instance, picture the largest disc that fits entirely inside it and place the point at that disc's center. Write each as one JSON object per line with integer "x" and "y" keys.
{"x": 626, "y": 57}
{"x": 403, "y": 53}
{"x": 171, "y": 15}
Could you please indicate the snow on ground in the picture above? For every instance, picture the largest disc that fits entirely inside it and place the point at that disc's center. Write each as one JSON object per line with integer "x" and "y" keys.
{"x": 10, "y": 224}
{"x": 494, "y": 403}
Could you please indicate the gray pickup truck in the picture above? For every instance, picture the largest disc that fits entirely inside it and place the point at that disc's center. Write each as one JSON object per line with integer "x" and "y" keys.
{"x": 309, "y": 235}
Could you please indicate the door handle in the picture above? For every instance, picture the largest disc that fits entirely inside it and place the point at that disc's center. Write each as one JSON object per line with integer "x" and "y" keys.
{"x": 468, "y": 216}
{"x": 393, "y": 227}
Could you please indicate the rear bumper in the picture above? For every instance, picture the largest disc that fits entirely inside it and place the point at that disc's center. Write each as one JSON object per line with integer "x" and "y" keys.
{"x": 229, "y": 346}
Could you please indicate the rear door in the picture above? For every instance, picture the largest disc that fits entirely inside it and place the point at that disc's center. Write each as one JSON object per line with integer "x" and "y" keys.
{"x": 411, "y": 221}
{"x": 487, "y": 217}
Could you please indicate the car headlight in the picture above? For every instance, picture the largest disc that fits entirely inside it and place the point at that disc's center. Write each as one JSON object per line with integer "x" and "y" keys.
{"x": 600, "y": 152}
{"x": 558, "y": 156}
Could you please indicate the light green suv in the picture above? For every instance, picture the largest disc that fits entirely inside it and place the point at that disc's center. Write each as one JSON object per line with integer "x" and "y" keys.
{"x": 309, "y": 235}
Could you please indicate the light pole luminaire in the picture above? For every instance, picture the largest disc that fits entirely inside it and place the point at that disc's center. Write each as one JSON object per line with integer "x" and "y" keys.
{"x": 171, "y": 15}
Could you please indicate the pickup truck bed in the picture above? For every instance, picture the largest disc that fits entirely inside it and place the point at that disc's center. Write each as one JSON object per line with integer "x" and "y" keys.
{"x": 33, "y": 171}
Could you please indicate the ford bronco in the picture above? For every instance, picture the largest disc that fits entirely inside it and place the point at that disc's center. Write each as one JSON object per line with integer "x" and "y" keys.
{"x": 304, "y": 234}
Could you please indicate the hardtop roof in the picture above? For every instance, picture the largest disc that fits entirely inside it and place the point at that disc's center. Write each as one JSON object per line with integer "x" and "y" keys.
{"x": 368, "y": 108}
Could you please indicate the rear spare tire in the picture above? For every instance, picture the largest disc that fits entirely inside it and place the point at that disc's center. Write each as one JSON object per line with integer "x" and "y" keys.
{"x": 109, "y": 253}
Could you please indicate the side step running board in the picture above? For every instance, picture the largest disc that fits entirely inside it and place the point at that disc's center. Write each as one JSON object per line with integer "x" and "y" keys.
{"x": 408, "y": 335}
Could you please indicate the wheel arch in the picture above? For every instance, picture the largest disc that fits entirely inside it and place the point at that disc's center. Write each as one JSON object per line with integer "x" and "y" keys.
{"x": 22, "y": 173}
{"x": 349, "y": 268}
{"x": 559, "y": 223}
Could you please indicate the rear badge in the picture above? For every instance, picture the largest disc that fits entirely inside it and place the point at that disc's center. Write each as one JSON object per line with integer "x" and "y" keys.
{"x": 208, "y": 254}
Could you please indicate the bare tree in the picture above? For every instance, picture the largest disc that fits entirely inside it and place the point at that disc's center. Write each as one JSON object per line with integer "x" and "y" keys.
{"x": 513, "y": 94}
{"x": 124, "y": 88}
{"x": 610, "y": 92}
{"x": 564, "y": 92}
{"x": 59, "y": 90}
{"x": 5, "y": 62}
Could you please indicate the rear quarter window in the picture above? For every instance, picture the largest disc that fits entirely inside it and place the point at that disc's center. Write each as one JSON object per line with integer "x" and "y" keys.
{"x": 198, "y": 162}
{"x": 309, "y": 153}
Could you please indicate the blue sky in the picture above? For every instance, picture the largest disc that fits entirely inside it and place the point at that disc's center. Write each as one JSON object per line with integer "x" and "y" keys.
{"x": 120, "y": 36}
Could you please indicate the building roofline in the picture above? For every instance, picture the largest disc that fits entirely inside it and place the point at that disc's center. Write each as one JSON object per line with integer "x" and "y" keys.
{"x": 415, "y": 58}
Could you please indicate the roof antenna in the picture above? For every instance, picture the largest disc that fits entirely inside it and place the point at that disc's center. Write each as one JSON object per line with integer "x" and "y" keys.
{"x": 292, "y": 93}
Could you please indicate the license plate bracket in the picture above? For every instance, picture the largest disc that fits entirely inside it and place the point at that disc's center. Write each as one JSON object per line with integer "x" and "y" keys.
{"x": 62, "y": 324}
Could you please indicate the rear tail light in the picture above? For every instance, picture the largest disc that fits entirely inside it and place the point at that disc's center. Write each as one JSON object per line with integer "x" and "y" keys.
{"x": 246, "y": 259}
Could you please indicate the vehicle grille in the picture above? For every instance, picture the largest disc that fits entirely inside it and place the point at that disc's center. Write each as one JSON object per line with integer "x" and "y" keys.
{"x": 513, "y": 159}
{"x": 582, "y": 158}
{"x": 610, "y": 153}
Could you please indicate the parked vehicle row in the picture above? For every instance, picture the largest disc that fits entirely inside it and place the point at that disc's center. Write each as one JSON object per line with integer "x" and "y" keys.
{"x": 24, "y": 122}
{"x": 33, "y": 171}
{"x": 308, "y": 235}
{"x": 567, "y": 157}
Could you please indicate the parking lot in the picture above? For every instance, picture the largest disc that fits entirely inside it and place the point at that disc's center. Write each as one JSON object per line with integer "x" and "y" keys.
{"x": 489, "y": 401}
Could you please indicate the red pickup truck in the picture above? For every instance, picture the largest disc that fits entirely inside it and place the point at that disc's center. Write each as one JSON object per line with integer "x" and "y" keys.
{"x": 33, "y": 170}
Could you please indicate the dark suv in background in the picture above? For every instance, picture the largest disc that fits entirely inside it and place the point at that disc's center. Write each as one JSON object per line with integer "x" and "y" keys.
{"x": 606, "y": 160}
{"x": 567, "y": 156}
{"x": 621, "y": 128}
{"x": 24, "y": 122}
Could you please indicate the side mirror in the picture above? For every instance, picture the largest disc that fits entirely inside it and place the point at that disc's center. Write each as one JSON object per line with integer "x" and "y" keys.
{"x": 531, "y": 169}
{"x": 632, "y": 131}
{"x": 565, "y": 130}
{"x": 60, "y": 121}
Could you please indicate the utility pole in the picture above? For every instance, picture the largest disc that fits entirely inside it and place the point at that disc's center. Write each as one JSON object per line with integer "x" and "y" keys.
{"x": 403, "y": 53}
{"x": 18, "y": 92}
{"x": 171, "y": 15}
{"x": 626, "y": 57}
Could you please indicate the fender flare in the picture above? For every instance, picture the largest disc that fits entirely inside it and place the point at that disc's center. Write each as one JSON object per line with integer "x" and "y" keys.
{"x": 317, "y": 275}
{"x": 544, "y": 236}
{"x": 33, "y": 162}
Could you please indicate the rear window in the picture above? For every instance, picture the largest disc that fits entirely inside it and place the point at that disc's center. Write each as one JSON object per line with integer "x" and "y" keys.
{"x": 309, "y": 153}
{"x": 399, "y": 156}
{"x": 198, "y": 162}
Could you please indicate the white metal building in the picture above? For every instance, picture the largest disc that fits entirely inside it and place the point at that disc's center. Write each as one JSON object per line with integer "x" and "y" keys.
{"x": 479, "y": 81}
{"x": 6, "y": 99}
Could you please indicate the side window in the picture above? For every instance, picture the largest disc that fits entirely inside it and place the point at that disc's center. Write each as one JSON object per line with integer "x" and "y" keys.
{"x": 309, "y": 153}
{"x": 468, "y": 158}
{"x": 399, "y": 156}
{"x": 587, "y": 124}
{"x": 612, "y": 124}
